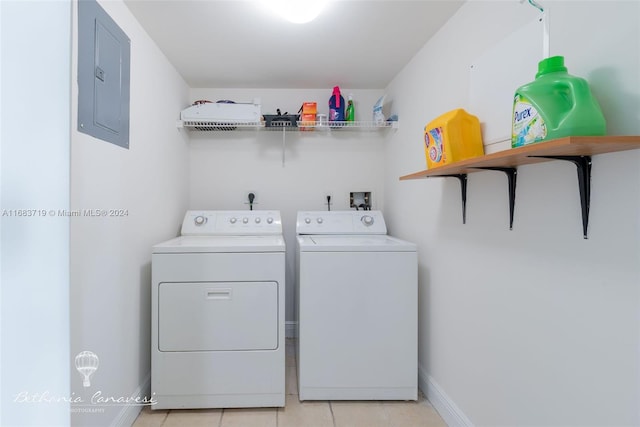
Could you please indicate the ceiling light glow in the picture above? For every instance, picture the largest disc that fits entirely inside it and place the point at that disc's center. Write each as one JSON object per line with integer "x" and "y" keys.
{"x": 296, "y": 11}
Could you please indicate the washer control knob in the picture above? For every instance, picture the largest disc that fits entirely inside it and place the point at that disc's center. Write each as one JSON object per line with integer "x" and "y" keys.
{"x": 233, "y": 220}
{"x": 245, "y": 220}
{"x": 269, "y": 220}
{"x": 319, "y": 220}
{"x": 258, "y": 220}
{"x": 367, "y": 220}
{"x": 307, "y": 220}
{"x": 200, "y": 220}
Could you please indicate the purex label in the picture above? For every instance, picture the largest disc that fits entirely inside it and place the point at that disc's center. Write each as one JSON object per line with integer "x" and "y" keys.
{"x": 527, "y": 124}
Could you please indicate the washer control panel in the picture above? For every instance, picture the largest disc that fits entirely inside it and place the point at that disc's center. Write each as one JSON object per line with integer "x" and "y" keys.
{"x": 231, "y": 223}
{"x": 340, "y": 222}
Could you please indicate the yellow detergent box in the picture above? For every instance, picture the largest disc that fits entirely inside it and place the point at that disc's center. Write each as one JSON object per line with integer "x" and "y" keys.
{"x": 452, "y": 137}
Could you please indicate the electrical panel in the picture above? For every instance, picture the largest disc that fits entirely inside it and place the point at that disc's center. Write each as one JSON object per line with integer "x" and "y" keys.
{"x": 104, "y": 52}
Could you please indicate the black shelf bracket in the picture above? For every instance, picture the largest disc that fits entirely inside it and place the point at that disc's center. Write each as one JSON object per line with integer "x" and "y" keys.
{"x": 511, "y": 177}
{"x": 583, "y": 165}
{"x": 462, "y": 177}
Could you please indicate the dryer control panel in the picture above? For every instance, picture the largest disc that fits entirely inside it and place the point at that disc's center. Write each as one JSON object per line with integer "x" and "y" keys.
{"x": 231, "y": 223}
{"x": 340, "y": 222}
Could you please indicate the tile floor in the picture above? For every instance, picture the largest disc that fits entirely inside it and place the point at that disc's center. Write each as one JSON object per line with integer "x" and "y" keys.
{"x": 301, "y": 414}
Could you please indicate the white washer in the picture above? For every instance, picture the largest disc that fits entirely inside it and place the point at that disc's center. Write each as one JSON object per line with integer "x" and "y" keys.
{"x": 218, "y": 312}
{"x": 357, "y": 309}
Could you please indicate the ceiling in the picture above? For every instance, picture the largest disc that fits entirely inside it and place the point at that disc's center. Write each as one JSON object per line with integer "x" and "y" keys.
{"x": 358, "y": 44}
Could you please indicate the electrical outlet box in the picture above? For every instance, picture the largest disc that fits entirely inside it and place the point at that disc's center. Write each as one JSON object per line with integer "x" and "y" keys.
{"x": 360, "y": 199}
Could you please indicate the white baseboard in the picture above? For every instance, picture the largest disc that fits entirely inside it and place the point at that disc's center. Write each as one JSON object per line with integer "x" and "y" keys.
{"x": 448, "y": 410}
{"x": 291, "y": 329}
{"x": 129, "y": 413}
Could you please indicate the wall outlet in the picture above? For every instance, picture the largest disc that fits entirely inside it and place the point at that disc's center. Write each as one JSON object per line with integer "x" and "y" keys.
{"x": 360, "y": 199}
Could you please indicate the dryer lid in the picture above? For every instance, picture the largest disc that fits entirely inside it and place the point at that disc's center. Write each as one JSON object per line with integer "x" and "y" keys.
{"x": 221, "y": 244}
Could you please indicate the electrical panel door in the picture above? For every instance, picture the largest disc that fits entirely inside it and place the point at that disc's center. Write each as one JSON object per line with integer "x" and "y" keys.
{"x": 103, "y": 75}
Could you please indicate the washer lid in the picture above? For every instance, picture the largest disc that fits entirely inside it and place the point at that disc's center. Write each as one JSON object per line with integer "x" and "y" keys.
{"x": 354, "y": 243}
{"x": 227, "y": 244}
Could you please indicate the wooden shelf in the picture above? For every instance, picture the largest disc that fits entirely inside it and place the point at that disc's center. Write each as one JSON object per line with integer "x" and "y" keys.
{"x": 569, "y": 146}
{"x": 575, "y": 149}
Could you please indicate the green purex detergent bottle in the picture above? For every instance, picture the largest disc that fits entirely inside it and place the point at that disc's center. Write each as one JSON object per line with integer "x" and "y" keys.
{"x": 554, "y": 105}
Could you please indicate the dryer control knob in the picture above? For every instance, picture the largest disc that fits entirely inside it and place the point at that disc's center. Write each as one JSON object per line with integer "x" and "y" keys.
{"x": 319, "y": 220}
{"x": 245, "y": 220}
{"x": 269, "y": 220}
{"x": 367, "y": 220}
{"x": 307, "y": 220}
{"x": 200, "y": 220}
{"x": 258, "y": 220}
{"x": 233, "y": 220}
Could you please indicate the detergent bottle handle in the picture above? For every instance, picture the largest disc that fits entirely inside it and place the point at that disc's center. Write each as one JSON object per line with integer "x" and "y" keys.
{"x": 578, "y": 89}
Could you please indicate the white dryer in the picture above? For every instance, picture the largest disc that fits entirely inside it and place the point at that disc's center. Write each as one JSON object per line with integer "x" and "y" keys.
{"x": 357, "y": 309}
{"x": 218, "y": 312}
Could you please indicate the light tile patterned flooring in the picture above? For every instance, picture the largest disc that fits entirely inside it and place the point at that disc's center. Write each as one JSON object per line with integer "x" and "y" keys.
{"x": 301, "y": 414}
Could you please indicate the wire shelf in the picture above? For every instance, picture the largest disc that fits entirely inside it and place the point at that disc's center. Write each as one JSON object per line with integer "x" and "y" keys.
{"x": 209, "y": 126}
{"x": 205, "y": 125}
{"x": 355, "y": 125}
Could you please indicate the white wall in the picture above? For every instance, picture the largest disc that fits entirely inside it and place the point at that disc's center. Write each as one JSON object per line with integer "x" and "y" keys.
{"x": 111, "y": 257}
{"x": 534, "y": 326}
{"x": 34, "y": 343}
{"x": 225, "y": 166}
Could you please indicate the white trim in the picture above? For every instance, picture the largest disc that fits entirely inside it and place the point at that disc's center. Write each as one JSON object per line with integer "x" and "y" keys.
{"x": 448, "y": 410}
{"x": 129, "y": 413}
{"x": 291, "y": 329}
